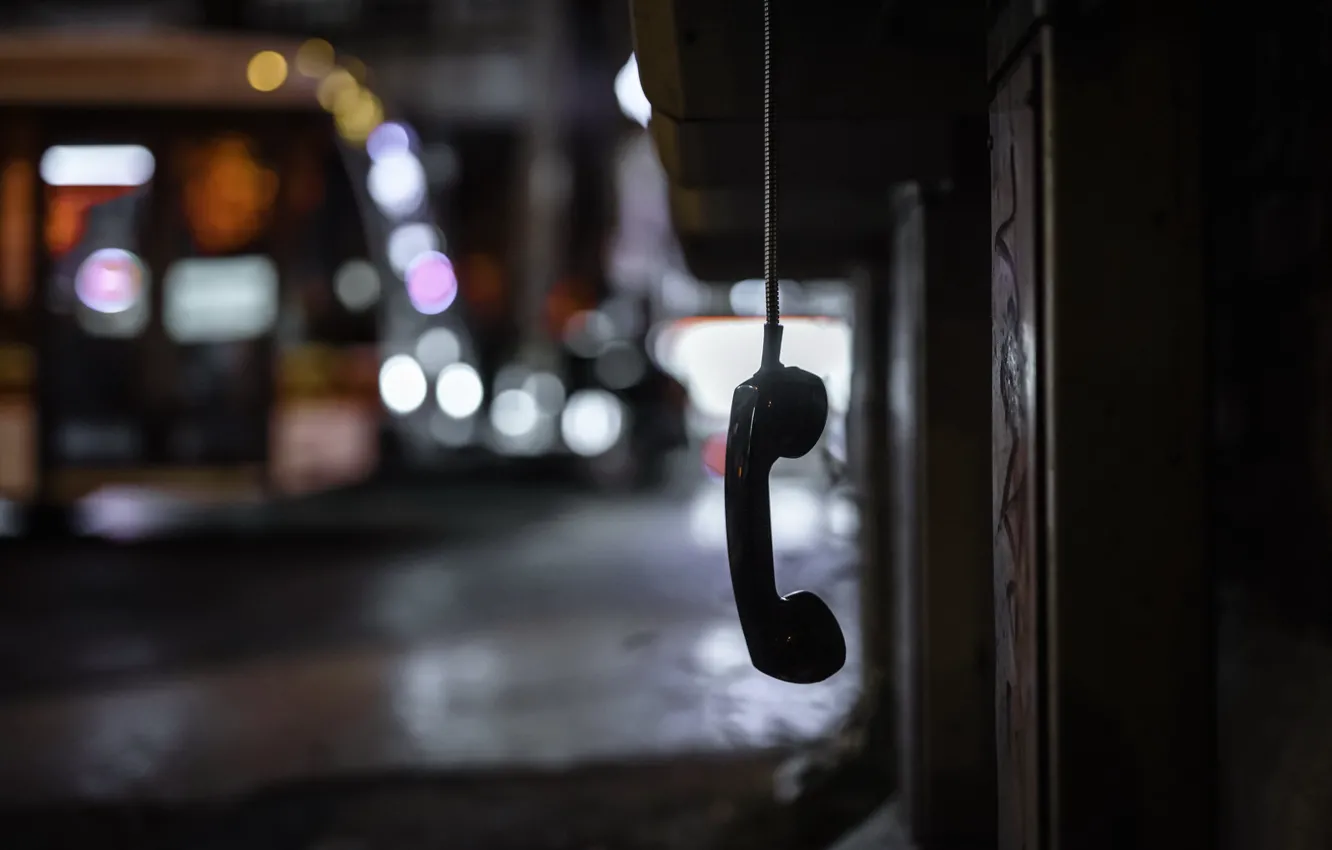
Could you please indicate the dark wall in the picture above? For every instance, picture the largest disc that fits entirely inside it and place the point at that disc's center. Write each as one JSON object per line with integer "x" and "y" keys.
{"x": 1268, "y": 155}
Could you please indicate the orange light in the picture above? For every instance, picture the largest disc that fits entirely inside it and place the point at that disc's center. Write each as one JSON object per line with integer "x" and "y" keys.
{"x": 16, "y": 226}
{"x": 67, "y": 213}
{"x": 229, "y": 196}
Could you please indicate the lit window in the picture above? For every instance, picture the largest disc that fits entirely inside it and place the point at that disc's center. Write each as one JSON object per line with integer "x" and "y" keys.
{"x": 97, "y": 165}
{"x": 220, "y": 299}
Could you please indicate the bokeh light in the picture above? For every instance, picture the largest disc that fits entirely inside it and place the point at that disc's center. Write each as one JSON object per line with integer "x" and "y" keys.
{"x": 397, "y": 184}
{"x": 402, "y": 384}
{"x": 356, "y": 68}
{"x": 514, "y": 414}
{"x": 409, "y": 241}
{"x": 431, "y": 283}
{"x": 388, "y": 138}
{"x": 592, "y": 422}
{"x": 438, "y": 348}
{"x": 459, "y": 391}
{"x": 339, "y": 84}
{"x": 314, "y": 58}
{"x": 109, "y": 281}
{"x": 629, "y": 93}
{"x": 358, "y": 117}
{"x": 356, "y": 285}
{"x": 267, "y": 70}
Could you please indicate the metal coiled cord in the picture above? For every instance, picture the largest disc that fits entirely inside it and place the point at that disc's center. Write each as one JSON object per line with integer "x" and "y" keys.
{"x": 770, "y": 283}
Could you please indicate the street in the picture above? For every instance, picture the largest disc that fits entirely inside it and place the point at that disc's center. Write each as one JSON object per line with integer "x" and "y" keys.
{"x": 444, "y": 629}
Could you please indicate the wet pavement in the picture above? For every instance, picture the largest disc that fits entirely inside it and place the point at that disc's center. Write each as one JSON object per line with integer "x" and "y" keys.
{"x": 488, "y": 629}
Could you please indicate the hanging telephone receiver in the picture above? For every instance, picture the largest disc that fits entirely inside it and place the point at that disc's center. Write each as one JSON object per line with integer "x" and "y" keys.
{"x": 779, "y": 412}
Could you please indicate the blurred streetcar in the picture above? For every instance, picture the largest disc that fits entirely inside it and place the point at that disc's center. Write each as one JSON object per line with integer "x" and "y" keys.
{"x": 196, "y": 239}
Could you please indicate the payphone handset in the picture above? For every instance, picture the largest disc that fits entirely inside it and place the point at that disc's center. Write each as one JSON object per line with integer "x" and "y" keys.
{"x": 778, "y": 412}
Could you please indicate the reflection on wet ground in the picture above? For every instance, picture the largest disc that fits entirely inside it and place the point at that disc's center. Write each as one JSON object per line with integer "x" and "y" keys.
{"x": 502, "y": 629}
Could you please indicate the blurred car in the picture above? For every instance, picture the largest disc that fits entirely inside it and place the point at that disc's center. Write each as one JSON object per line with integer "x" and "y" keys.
{"x": 602, "y": 410}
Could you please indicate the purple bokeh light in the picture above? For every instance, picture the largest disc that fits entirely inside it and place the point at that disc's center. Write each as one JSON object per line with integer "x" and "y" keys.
{"x": 388, "y": 138}
{"x": 432, "y": 285}
{"x": 109, "y": 281}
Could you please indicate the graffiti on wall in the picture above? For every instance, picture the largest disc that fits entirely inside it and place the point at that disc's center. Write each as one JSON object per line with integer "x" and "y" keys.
{"x": 1014, "y": 475}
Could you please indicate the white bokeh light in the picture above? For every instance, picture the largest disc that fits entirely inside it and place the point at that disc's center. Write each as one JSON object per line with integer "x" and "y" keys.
{"x": 459, "y": 391}
{"x": 387, "y": 139}
{"x": 629, "y": 93}
{"x": 711, "y": 356}
{"x": 402, "y": 384}
{"x": 843, "y": 516}
{"x": 437, "y": 348}
{"x": 356, "y": 285}
{"x": 592, "y": 422}
{"x": 547, "y": 389}
{"x": 511, "y": 377}
{"x": 750, "y": 297}
{"x": 588, "y": 333}
{"x": 409, "y": 241}
{"x": 397, "y": 184}
{"x": 721, "y": 650}
{"x": 514, "y": 414}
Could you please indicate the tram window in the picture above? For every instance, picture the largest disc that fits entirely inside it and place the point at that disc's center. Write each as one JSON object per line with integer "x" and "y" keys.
{"x": 337, "y": 286}
{"x": 222, "y": 285}
{"x": 220, "y": 299}
{"x": 96, "y": 200}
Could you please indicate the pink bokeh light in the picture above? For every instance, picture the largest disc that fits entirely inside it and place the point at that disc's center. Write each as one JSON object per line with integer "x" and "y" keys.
{"x": 109, "y": 281}
{"x": 432, "y": 285}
